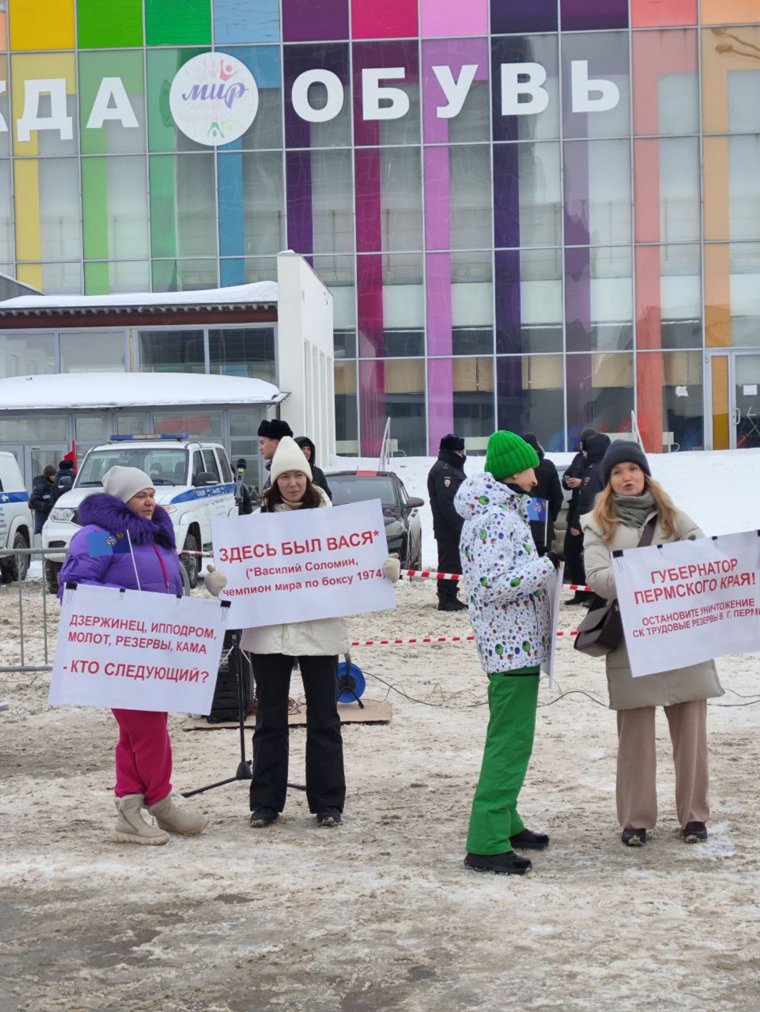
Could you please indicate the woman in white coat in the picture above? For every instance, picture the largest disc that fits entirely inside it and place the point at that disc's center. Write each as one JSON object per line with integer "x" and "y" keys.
{"x": 315, "y": 645}
{"x": 629, "y": 499}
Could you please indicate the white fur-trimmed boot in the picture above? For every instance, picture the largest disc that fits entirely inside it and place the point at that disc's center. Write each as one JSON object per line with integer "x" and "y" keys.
{"x": 131, "y": 827}
{"x": 174, "y": 819}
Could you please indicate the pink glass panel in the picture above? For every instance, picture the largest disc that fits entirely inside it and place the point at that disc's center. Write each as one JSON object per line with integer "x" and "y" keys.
{"x": 383, "y": 19}
{"x": 453, "y": 17}
{"x": 440, "y": 401}
{"x": 451, "y": 53}
{"x": 662, "y": 13}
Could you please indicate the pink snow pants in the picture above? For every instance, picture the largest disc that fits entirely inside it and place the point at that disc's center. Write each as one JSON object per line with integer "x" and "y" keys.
{"x": 143, "y": 755}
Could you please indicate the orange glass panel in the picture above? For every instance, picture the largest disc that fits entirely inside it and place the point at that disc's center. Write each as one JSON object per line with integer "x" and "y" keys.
{"x": 721, "y": 12}
{"x": 3, "y": 30}
{"x": 719, "y": 376}
{"x": 659, "y": 13}
{"x": 716, "y": 223}
{"x": 717, "y": 296}
{"x": 41, "y": 24}
{"x": 725, "y": 50}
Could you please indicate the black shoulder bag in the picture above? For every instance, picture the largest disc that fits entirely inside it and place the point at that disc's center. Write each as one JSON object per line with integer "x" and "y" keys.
{"x": 601, "y": 631}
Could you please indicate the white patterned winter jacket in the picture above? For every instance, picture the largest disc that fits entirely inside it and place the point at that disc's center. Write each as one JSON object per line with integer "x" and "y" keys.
{"x": 506, "y": 579}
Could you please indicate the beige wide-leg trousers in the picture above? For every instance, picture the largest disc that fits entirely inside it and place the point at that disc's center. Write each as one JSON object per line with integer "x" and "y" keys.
{"x": 637, "y": 764}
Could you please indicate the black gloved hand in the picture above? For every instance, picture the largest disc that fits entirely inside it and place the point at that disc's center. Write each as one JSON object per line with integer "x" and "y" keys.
{"x": 555, "y": 558}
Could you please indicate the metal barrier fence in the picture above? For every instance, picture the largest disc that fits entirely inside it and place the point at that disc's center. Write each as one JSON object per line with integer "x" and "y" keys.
{"x": 27, "y": 612}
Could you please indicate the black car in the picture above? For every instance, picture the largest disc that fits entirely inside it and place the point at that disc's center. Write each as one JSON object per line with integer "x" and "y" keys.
{"x": 403, "y": 527}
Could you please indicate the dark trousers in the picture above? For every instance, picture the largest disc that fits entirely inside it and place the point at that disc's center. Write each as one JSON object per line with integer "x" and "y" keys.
{"x": 325, "y": 779}
{"x": 574, "y": 557}
{"x": 448, "y": 562}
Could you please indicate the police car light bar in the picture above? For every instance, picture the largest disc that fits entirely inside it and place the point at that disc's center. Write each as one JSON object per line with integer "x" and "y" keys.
{"x": 149, "y": 437}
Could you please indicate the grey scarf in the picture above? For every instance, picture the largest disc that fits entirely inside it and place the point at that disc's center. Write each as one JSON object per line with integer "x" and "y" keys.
{"x": 634, "y": 509}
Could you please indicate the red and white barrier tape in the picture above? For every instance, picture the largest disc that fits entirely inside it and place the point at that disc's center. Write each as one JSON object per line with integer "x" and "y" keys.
{"x": 424, "y": 574}
{"x": 431, "y": 639}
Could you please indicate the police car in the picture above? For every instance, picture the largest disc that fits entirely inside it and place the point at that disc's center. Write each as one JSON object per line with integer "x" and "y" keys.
{"x": 193, "y": 483}
{"x": 15, "y": 520}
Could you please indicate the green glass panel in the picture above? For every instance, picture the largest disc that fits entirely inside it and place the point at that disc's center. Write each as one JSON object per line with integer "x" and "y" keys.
{"x": 163, "y": 64}
{"x": 95, "y": 208}
{"x": 102, "y": 24}
{"x": 97, "y": 279}
{"x": 163, "y": 204}
{"x": 178, "y": 22}
{"x": 112, "y": 137}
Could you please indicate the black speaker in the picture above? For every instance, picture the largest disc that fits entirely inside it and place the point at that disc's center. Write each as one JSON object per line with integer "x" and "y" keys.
{"x": 234, "y": 664}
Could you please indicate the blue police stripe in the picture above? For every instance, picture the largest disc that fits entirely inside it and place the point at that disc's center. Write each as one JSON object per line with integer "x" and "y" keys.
{"x": 6, "y": 497}
{"x": 205, "y": 492}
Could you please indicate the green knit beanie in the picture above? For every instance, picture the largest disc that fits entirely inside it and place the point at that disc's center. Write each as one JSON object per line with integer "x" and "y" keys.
{"x": 508, "y": 454}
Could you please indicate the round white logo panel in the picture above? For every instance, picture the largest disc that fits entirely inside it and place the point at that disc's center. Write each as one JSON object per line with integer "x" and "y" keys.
{"x": 213, "y": 99}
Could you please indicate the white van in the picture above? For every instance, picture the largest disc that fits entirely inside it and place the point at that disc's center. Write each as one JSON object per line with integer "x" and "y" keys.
{"x": 16, "y": 520}
{"x": 193, "y": 483}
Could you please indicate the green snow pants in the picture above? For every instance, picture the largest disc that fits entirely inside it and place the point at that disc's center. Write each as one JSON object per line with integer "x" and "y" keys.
{"x": 512, "y": 700}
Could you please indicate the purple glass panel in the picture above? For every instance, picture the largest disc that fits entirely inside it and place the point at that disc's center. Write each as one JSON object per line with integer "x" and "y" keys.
{"x": 576, "y": 194}
{"x": 506, "y": 195}
{"x": 373, "y": 55}
{"x": 438, "y": 297}
{"x": 298, "y": 185}
{"x": 508, "y": 317}
{"x": 440, "y": 401}
{"x": 368, "y": 201}
{"x": 541, "y": 49}
{"x": 578, "y": 298}
{"x": 607, "y": 58}
{"x": 451, "y": 53}
{"x": 437, "y": 199}
{"x": 580, "y": 402}
{"x": 509, "y": 16}
{"x": 298, "y": 59}
{"x": 510, "y": 394}
{"x": 307, "y": 20}
{"x": 369, "y": 286}
{"x": 578, "y": 15}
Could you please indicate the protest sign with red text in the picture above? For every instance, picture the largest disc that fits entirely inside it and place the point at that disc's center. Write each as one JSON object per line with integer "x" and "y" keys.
{"x": 136, "y": 650}
{"x": 689, "y": 601}
{"x": 306, "y": 564}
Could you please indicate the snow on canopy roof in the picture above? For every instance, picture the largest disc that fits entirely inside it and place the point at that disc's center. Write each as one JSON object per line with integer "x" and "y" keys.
{"x": 261, "y": 293}
{"x": 77, "y": 391}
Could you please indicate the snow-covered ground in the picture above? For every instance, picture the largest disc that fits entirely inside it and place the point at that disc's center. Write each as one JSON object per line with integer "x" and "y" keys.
{"x": 380, "y": 914}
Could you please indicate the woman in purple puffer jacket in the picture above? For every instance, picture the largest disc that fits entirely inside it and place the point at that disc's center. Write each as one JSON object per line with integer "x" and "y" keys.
{"x": 143, "y": 752}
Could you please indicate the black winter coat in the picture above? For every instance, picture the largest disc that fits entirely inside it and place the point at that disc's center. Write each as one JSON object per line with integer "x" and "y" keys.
{"x": 596, "y": 447}
{"x": 60, "y": 488}
{"x": 444, "y": 479}
{"x": 39, "y": 501}
{"x": 548, "y": 488}
{"x": 317, "y": 474}
{"x": 575, "y": 470}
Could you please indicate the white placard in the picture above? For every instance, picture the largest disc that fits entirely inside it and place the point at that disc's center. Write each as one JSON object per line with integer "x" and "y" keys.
{"x": 689, "y": 601}
{"x": 300, "y": 565}
{"x": 137, "y": 650}
{"x": 749, "y": 390}
{"x": 555, "y": 596}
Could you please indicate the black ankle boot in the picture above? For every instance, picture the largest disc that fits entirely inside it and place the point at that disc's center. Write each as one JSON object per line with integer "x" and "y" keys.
{"x": 498, "y": 864}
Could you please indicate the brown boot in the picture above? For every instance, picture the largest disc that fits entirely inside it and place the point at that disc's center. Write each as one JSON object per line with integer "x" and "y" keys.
{"x": 131, "y": 827}
{"x": 173, "y": 819}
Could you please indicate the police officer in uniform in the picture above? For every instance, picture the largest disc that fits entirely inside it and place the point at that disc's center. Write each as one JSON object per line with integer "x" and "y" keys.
{"x": 445, "y": 477}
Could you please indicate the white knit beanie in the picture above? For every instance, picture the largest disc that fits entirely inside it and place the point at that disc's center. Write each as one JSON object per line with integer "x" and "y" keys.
{"x": 289, "y": 457}
{"x": 125, "y": 482}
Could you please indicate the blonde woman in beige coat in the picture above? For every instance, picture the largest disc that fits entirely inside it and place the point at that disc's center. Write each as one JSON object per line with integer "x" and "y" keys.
{"x": 629, "y": 499}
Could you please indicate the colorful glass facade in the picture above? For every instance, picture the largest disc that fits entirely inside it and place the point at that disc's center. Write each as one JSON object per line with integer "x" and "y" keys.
{"x": 533, "y": 214}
